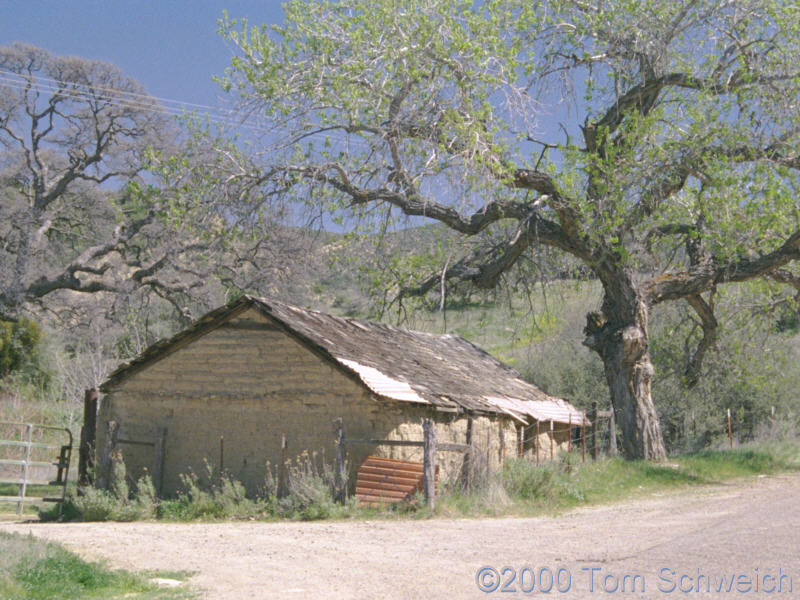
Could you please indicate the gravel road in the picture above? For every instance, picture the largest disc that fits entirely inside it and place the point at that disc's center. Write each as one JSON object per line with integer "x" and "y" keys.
{"x": 673, "y": 545}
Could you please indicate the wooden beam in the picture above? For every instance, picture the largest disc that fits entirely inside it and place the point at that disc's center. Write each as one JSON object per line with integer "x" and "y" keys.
{"x": 159, "y": 452}
{"x": 593, "y": 419}
{"x": 445, "y": 447}
{"x": 88, "y": 439}
{"x": 283, "y": 484}
{"x": 429, "y": 463}
{"x": 341, "y": 473}
{"x": 104, "y": 476}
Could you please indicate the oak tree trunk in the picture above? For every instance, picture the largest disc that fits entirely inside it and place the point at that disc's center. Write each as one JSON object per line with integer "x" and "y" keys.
{"x": 619, "y": 335}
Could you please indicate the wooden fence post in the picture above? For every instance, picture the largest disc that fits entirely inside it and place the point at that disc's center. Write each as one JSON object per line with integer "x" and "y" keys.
{"x": 429, "y": 463}
{"x": 88, "y": 440}
{"x": 569, "y": 439}
{"x": 583, "y": 439}
{"x": 552, "y": 455}
{"x": 730, "y": 430}
{"x": 488, "y": 447}
{"x": 593, "y": 419}
{"x": 612, "y": 433}
{"x": 467, "y": 466}
{"x": 537, "y": 442}
{"x": 341, "y": 474}
{"x": 104, "y": 475}
{"x": 221, "y": 456}
{"x": 159, "y": 448}
{"x": 283, "y": 484}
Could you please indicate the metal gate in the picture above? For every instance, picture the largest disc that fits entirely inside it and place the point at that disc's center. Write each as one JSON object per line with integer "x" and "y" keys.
{"x": 34, "y": 455}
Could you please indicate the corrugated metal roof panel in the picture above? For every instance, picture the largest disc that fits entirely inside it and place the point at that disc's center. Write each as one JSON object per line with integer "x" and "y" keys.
{"x": 548, "y": 410}
{"x": 383, "y": 384}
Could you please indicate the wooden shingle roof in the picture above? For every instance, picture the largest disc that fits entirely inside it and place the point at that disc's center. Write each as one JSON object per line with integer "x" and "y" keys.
{"x": 442, "y": 370}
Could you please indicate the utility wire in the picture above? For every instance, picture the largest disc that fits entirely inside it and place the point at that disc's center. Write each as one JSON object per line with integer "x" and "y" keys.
{"x": 123, "y": 99}
{"x": 54, "y": 83}
{"x": 139, "y": 101}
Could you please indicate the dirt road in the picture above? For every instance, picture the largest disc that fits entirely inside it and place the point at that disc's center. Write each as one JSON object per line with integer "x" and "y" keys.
{"x": 673, "y": 545}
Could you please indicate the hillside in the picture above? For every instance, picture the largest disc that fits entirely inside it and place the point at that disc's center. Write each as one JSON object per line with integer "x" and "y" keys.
{"x": 534, "y": 325}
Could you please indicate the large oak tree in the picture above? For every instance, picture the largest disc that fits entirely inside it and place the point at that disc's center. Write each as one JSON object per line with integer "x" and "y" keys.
{"x": 620, "y": 133}
{"x": 73, "y": 133}
{"x": 100, "y": 200}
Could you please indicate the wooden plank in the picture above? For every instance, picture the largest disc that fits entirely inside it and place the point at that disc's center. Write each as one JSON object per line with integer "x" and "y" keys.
{"x": 27, "y": 499}
{"x": 412, "y": 443}
{"x": 30, "y": 481}
{"x": 135, "y": 442}
{"x": 445, "y": 446}
{"x": 26, "y": 444}
{"x": 32, "y": 463}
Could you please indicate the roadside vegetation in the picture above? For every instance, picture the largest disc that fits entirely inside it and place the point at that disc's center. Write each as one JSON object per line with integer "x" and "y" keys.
{"x": 520, "y": 488}
{"x": 523, "y": 488}
{"x": 31, "y": 569}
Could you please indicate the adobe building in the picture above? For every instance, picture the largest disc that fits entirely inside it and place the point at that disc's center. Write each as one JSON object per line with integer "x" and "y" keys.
{"x": 257, "y": 371}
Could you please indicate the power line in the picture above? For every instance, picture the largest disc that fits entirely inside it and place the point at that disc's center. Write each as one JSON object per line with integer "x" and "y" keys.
{"x": 136, "y": 100}
{"x": 124, "y": 99}
{"x": 110, "y": 90}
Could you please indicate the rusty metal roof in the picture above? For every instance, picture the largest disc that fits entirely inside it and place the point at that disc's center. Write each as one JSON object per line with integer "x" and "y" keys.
{"x": 443, "y": 370}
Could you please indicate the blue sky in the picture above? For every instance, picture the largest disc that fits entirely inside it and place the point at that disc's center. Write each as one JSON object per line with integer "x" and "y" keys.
{"x": 169, "y": 46}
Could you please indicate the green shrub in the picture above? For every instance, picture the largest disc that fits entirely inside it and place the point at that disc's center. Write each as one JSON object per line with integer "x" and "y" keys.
{"x": 19, "y": 341}
{"x": 524, "y": 480}
{"x": 222, "y": 498}
{"x": 96, "y": 505}
{"x": 310, "y": 490}
{"x": 116, "y": 504}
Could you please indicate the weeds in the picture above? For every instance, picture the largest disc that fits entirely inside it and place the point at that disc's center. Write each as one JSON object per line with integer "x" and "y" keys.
{"x": 308, "y": 495}
{"x": 310, "y": 490}
{"x": 33, "y": 569}
{"x": 222, "y": 498}
{"x": 521, "y": 487}
{"x": 305, "y": 488}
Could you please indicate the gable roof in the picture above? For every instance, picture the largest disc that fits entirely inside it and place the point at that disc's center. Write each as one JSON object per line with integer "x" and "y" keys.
{"x": 442, "y": 370}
